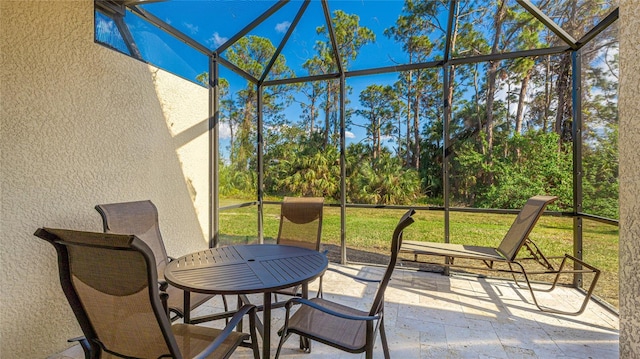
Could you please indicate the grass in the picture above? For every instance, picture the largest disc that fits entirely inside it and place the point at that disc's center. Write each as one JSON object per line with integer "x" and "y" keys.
{"x": 370, "y": 230}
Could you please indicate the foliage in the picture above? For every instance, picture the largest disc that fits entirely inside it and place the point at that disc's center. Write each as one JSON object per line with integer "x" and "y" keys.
{"x": 302, "y": 169}
{"x": 233, "y": 183}
{"x": 541, "y": 169}
{"x": 600, "y": 184}
{"x": 509, "y": 121}
{"x": 381, "y": 180}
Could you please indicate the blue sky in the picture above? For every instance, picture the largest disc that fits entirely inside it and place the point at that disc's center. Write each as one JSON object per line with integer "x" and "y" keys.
{"x": 212, "y": 23}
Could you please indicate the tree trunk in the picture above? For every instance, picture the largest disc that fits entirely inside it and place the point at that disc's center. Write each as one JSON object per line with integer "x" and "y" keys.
{"x": 327, "y": 116}
{"x": 452, "y": 69}
{"x": 409, "y": 86}
{"x": 564, "y": 99}
{"x": 416, "y": 134}
{"x": 312, "y": 112}
{"x": 547, "y": 93}
{"x": 376, "y": 153}
{"x": 493, "y": 74}
{"x": 523, "y": 93}
{"x": 477, "y": 96}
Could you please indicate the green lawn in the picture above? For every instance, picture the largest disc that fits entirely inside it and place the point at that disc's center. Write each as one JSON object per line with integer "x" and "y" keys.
{"x": 370, "y": 230}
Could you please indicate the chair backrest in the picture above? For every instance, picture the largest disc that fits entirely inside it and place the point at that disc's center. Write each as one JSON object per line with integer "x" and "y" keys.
{"x": 301, "y": 222}
{"x": 396, "y": 242}
{"x": 523, "y": 225}
{"x": 139, "y": 218}
{"x": 110, "y": 281}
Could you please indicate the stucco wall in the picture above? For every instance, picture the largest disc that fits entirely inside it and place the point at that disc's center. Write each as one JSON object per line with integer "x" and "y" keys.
{"x": 81, "y": 125}
{"x": 186, "y": 107}
{"x": 629, "y": 108}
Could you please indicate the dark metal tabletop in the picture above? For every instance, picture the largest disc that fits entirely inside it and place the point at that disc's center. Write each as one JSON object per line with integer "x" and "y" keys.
{"x": 245, "y": 269}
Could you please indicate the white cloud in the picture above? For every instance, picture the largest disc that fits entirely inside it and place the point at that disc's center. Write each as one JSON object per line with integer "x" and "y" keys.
{"x": 217, "y": 40}
{"x": 349, "y": 134}
{"x": 224, "y": 130}
{"x": 105, "y": 27}
{"x": 193, "y": 29}
{"x": 283, "y": 26}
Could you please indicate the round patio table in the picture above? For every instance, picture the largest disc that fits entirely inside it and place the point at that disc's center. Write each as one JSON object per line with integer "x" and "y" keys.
{"x": 246, "y": 269}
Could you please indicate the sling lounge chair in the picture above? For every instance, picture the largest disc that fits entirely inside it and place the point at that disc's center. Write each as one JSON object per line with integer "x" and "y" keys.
{"x": 341, "y": 326}
{"x": 140, "y": 218}
{"x": 516, "y": 238}
{"x": 110, "y": 281}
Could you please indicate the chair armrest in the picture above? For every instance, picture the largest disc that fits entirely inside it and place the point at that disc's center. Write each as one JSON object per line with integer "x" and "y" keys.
{"x": 317, "y": 306}
{"x": 355, "y": 277}
{"x": 228, "y": 329}
{"x": 77, "y": 339}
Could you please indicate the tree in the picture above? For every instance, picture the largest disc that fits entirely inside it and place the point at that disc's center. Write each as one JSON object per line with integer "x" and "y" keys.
{"x": 377, "y": 102}
{"x": 521, "y": 69}
{"x": 412, "y": 29}
{"x": 575, "y": 17}
{"x": 251, "y": 53}
{"x": 350, "y": 38}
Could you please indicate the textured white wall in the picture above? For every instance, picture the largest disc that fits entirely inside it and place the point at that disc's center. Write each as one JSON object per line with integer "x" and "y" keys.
{"x": 186, "y": 107}
{"x": 629, "y": 108}
{"x": 81, "y": 125}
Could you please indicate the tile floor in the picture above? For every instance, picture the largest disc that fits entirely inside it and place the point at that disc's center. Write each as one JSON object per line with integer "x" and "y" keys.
{"x": 429, "y": 315}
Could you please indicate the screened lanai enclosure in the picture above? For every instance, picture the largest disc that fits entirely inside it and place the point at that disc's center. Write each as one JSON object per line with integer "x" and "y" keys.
{"x": 459, "y": 109}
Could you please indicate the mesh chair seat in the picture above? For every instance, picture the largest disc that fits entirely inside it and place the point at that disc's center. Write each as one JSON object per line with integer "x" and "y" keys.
{"x": 350, "y": 335}
{"x": 193, "y": 339}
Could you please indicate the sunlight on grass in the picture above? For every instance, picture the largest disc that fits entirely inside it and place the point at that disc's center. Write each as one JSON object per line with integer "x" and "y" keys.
{"x": 370, "y": 230}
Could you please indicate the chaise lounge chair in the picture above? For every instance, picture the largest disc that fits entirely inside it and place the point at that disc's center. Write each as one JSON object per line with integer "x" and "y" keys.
{"x": 516, "y": 238}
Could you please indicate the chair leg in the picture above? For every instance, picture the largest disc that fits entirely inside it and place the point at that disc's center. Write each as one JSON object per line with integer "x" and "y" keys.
{"x": 86, "y": 347}
{"x": 555, "y": 311}
{"x": 283, "y": 339}
{"x": 305, "y": 344}
{"x": 254, "y": 336}
{"x": 284, "y": 332}
{"x": 226, "y": 308}
{"x": 240, "y": 303}
{"x": 369, "y": 352}
{"x": 320, "y": 294}
{"x": 383, "y": 339}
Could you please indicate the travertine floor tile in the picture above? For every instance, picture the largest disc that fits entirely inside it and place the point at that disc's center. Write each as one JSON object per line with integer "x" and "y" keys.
{"x": 431, "y": 316}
